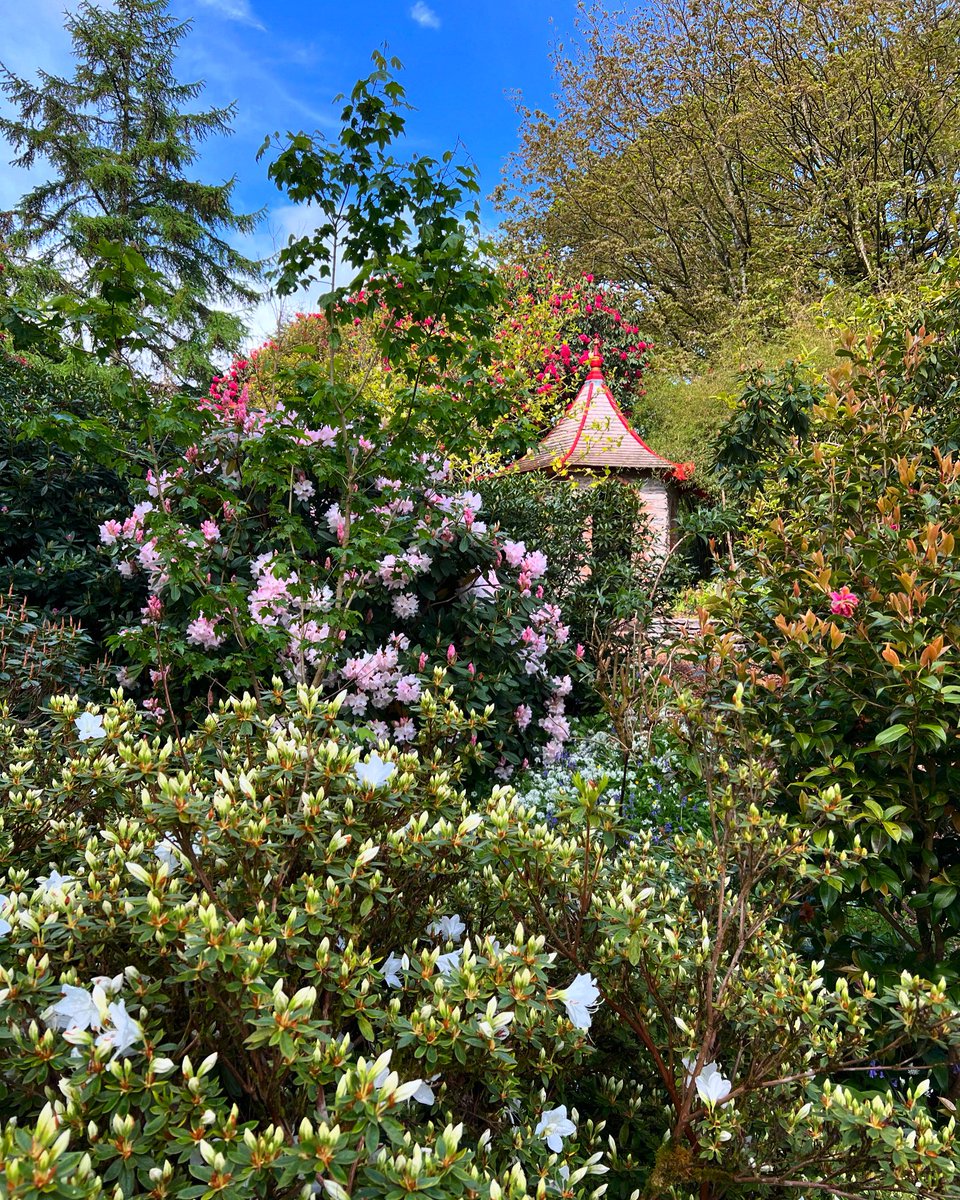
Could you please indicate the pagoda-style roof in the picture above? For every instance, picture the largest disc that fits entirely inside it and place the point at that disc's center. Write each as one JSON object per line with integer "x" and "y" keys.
{"x": 594, "y": 435}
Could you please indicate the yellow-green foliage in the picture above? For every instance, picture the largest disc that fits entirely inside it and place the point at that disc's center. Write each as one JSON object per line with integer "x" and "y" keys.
{"x": 689, "y": 398}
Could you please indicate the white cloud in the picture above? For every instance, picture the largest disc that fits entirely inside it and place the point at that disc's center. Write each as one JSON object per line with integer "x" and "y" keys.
{"x": 424, "y": 16}
{"x": 234, "y": 10}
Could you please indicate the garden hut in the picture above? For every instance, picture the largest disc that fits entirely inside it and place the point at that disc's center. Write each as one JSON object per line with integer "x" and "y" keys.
{"x": 594, "y": 440}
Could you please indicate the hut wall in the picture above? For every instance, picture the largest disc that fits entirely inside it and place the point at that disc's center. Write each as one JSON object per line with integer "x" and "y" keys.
{"x": 657, "y": 498}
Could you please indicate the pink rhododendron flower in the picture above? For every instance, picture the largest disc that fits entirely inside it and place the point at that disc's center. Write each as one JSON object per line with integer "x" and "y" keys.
{"x": 405, "y": 605}
{"x": 523, "y": 715}
{"x": 404, "y": 731}
{"x": 451, "y": 654}
{"x": 843, "y": 602}
{"x": 203, "y": 632}
{"x": 210, "y": 531}
{"x": 514, "y": 552}
{"x": 153, "y": 611}
{"x": 110, "y": 531}
{"x": 408, "y": 688}
{"x": 535, "y": 564}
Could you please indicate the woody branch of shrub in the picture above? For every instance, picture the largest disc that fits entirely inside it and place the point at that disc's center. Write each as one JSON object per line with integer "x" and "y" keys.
{"x": 764, "y": 1064}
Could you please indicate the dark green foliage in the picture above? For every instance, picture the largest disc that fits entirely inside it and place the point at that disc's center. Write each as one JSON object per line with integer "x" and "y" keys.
{"x": 772, "y": 412}
{"x": 40, "y": 658}
{"x": 118, "y": 140}
{"x": 611, "y": 574}
{"x": 65, "y": 444}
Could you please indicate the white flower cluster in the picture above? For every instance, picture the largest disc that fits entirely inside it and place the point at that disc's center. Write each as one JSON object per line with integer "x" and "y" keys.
{"x": 81, "y": 1010}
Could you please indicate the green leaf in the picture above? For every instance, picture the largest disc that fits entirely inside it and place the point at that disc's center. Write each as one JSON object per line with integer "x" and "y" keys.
{"x": 891, "y": 734}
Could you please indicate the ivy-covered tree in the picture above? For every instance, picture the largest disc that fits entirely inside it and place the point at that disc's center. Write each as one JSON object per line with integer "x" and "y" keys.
{"x": 119, "y": 139}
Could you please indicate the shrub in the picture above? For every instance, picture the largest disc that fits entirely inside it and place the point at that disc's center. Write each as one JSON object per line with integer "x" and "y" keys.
{"x": 62, "y": 476}
{"x": 39, "y": 658}
{"x": 268, "y": 929}
{"x": 602, "y": 565}
{"x": 724, "y": 1055}
{"x": 846, "y": 607}
{"x": 284, "y": 541}
{"x": 258, "y": 961}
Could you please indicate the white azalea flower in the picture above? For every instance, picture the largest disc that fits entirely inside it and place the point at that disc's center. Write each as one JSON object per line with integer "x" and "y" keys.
{"x": 55, "y": 882}
{"x": 448, "y": 928}
{"x": 446, "y": 962}
{"x": 712, "y": 1087}
{"x": 125, "y": 1032}
{"x": 89, "y": 726}
{"x": 416, "y": 1089}
{"x": 110, "y": 985}
{"x": 497, "y": 1026}
{"x": 79, "y": 1009}
{"x": 375, "y": 772}
{"x": 554, "y": 1126}
{"x": 391, "y": 968}
{"x": 424, "y": 1093}
{"x": 167, "y": 853}
{"x": 581, "y": 998}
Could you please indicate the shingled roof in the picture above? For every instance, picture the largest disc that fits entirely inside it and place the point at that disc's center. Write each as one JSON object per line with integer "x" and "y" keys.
{"x": 593, "y": 435}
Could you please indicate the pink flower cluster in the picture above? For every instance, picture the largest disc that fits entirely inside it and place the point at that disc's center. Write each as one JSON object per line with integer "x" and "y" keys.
{"x": 203, "y": 632}
{"x": 429, "y": 534}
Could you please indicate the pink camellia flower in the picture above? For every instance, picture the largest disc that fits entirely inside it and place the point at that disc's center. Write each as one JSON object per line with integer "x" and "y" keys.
{"x": 843, "y": 602}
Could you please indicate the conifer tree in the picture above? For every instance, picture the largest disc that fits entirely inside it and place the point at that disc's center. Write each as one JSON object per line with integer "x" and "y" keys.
{"x": 119, "y": 139}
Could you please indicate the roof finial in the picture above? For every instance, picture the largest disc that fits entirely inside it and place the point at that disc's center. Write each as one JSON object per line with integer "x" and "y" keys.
{"x": 596, "y": 361}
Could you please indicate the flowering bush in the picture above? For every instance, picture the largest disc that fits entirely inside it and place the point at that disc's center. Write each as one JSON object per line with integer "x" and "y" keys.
{"x": 264, "y": 961}
{"x": 724, "y": 1055}
{"x": 281, "y": 541}
{"x": 548, "y": 327}
{"x": 656, "y": 789}
{"x": 845, "y": 608}
{"x": 248, "y": 963}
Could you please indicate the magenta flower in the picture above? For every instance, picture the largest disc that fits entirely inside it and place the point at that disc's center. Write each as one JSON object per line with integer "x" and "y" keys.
{"x": 843, "y": 602}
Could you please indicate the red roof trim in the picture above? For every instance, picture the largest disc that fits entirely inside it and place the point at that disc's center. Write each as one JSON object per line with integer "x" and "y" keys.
{"x": 636, "y": 436}
{"x": 583, "y": 419}
{"x": 594, "y": 378}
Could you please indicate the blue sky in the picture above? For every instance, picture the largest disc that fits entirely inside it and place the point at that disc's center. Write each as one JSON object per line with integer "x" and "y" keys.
{"x": 283, "y": 61}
